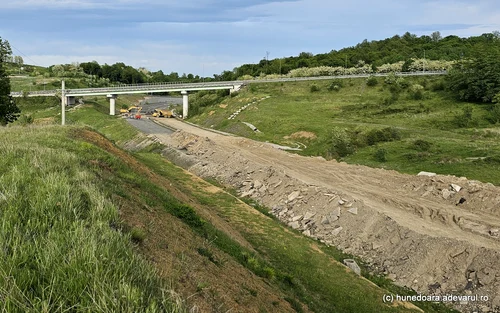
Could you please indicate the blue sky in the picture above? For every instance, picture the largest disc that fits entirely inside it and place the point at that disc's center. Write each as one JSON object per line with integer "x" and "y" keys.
{"x": 208, "y": 36}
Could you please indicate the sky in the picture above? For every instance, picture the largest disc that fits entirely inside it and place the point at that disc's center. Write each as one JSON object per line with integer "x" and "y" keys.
{"x": 206, "y": 37}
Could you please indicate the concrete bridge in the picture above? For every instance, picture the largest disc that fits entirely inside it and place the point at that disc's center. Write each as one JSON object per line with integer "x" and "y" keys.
{"x": 68, "y": 95}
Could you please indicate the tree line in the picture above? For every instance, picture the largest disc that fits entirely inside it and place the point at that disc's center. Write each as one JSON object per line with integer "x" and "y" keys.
{"x": 392, "y": 50}
{"x": 122, "y": 73}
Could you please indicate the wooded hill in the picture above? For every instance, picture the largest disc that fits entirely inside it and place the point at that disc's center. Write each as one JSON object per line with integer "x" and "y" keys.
{"x": 376, "y": 53}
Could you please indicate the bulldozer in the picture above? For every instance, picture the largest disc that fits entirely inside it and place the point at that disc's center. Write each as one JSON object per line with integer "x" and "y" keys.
{"x": 162, "y": 113}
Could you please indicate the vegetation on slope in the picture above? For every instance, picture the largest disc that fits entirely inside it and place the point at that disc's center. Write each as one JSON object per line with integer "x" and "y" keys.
{"x": 406, "y": 124}
{"x": 59, "y": 231}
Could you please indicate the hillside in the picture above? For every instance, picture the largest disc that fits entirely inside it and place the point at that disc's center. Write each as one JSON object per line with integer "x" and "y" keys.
{"x": 411, "y": 125}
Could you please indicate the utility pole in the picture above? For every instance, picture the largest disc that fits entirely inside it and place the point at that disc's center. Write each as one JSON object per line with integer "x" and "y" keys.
{"x": 267, "y": 61}
{"x": 424, "y": 61}
{"x": 280, "y": 67}
{"x": 345, "y": 68}
{"x": 63, "y": 104}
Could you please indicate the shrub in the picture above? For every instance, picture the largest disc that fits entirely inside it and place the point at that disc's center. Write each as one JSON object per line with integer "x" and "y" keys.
{"x": 314, "y": 88}
{"x": 464, "y": 119}
{"x": 417, "y": 156}
{"x": 341, "y": 143}
{"x": 402, "y": 83}
{"x": 381, "y": 155}
{"x": 417, "y": 92}
{"x": 337, "y": 82}
{"x": 438, "y": 86}
{"x": 371, "y": 81}
{"x": 494, "y": 113}
{"x": 390, "y": 79}
{"x": 382, "y": 135}
{"x": 421, "y": 145}
{"x": 25, "y": 120}
{"x": 137, "y": 235}
{"x": 333, "y": 87}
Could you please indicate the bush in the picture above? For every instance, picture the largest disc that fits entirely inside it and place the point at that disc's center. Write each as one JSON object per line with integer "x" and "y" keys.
{"x": 380, "y": 155}
{"x": 25, "y": 120}
{"x": 137, "y": 235}
{"x": 314, "y": 88}
{"x": 438, "y": 86}
{"x": 417, "y": 92}
{"x": 417, "y": 156}
{"x": 402, "y": 83}
{"x": 341, "y": 143}
{"x": 494, "y": 113}
{"x": 337, "y": 82}
{"x": 375, "y": 136}
{"x": 371, "y": 81}
{"x": 421, "y": 145}
{"x": 464, "y": 119}
{"x": 334, "y": 87}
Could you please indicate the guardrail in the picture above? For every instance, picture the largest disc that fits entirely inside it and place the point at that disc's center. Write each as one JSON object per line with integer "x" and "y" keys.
{"x": 123, "y": 88}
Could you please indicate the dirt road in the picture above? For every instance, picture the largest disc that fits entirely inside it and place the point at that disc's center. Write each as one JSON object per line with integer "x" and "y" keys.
{"x": 437, "y": 235}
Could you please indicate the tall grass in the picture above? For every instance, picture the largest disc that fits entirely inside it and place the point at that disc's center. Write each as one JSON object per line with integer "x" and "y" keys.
{"x": 59, "y": 251}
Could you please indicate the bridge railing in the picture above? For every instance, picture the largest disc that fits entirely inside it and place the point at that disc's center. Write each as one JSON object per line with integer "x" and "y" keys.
{"x": 176, "y": 85}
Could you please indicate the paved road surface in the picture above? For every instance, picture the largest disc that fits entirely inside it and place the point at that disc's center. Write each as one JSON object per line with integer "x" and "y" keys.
{"x": 149, "y": 127}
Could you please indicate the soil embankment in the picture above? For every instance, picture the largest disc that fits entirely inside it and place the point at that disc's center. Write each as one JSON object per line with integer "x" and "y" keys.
{"x": 438, "y": 235}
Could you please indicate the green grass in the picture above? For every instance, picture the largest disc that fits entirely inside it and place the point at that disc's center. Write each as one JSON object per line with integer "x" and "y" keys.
{"x": 357, "y": 109}
{"x": 96, "y": 115}
{"x": 60, "y": 251}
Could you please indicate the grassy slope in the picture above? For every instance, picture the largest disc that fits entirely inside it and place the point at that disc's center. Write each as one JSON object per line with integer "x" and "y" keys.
{"x": 60, "y": 249}
{"x": 301, "y": 270}
{"x": 360, "y": 108}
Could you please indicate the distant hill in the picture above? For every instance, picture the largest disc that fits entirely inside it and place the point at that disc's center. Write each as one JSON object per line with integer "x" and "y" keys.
{"x": 376, "y": 52}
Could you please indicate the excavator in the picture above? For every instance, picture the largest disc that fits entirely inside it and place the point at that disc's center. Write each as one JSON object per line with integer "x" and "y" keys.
{"x": 135, "y": 113}
{"x": 162, "y": 113}
{"x": 123, "y": 110}
{"x": 132, "y": 112}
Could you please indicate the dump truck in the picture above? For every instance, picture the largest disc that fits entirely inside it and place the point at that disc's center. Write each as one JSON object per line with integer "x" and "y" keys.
{"x": 162, "y": 113}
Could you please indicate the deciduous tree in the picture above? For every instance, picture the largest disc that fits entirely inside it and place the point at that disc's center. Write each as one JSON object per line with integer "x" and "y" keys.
{"x": 9, "y": 112}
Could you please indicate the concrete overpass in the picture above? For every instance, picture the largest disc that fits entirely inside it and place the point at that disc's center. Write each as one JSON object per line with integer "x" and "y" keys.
{"x": 68, "y": 95}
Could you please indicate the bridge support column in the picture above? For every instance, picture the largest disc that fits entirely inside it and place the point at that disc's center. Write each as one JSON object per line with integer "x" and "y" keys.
{"x": 235, "y": 88}
{"x": 112, "y": 104}
{"x": 70, "y": 100}
{"x": 185, "y": 104}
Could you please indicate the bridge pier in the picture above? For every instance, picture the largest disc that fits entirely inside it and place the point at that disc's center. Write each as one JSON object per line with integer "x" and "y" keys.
{"x": 70, "y": 100}
{"x": 112, "y": 104}
{"x": 185, "y": 104}
{"x": 235, "y": 88}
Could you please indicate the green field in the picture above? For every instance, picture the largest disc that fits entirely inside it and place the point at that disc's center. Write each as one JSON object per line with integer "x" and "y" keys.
{"x": 416, "y": 127}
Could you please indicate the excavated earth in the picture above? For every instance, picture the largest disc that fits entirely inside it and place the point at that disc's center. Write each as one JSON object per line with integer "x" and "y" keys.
{"x": 438, "y": 235}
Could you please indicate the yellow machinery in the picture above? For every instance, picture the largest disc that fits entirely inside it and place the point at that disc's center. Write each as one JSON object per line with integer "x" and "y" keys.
{"x": 132, "y": 112}
{"x": 162, "y": 113}
{"x": 122, "y": 111}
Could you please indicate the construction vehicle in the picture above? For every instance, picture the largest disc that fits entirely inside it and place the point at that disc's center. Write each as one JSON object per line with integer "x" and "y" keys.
{"x": 162, "y": 113}
{"x": 123, "y": 111}
{"x": 135, "y": 113}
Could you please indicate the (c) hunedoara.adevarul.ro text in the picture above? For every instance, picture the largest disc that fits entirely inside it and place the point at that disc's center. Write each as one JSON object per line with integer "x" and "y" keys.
{"x": 389, "y": 298}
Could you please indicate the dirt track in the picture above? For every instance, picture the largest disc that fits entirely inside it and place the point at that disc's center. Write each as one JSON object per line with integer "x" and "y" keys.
{"x": 412, "y": 228}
